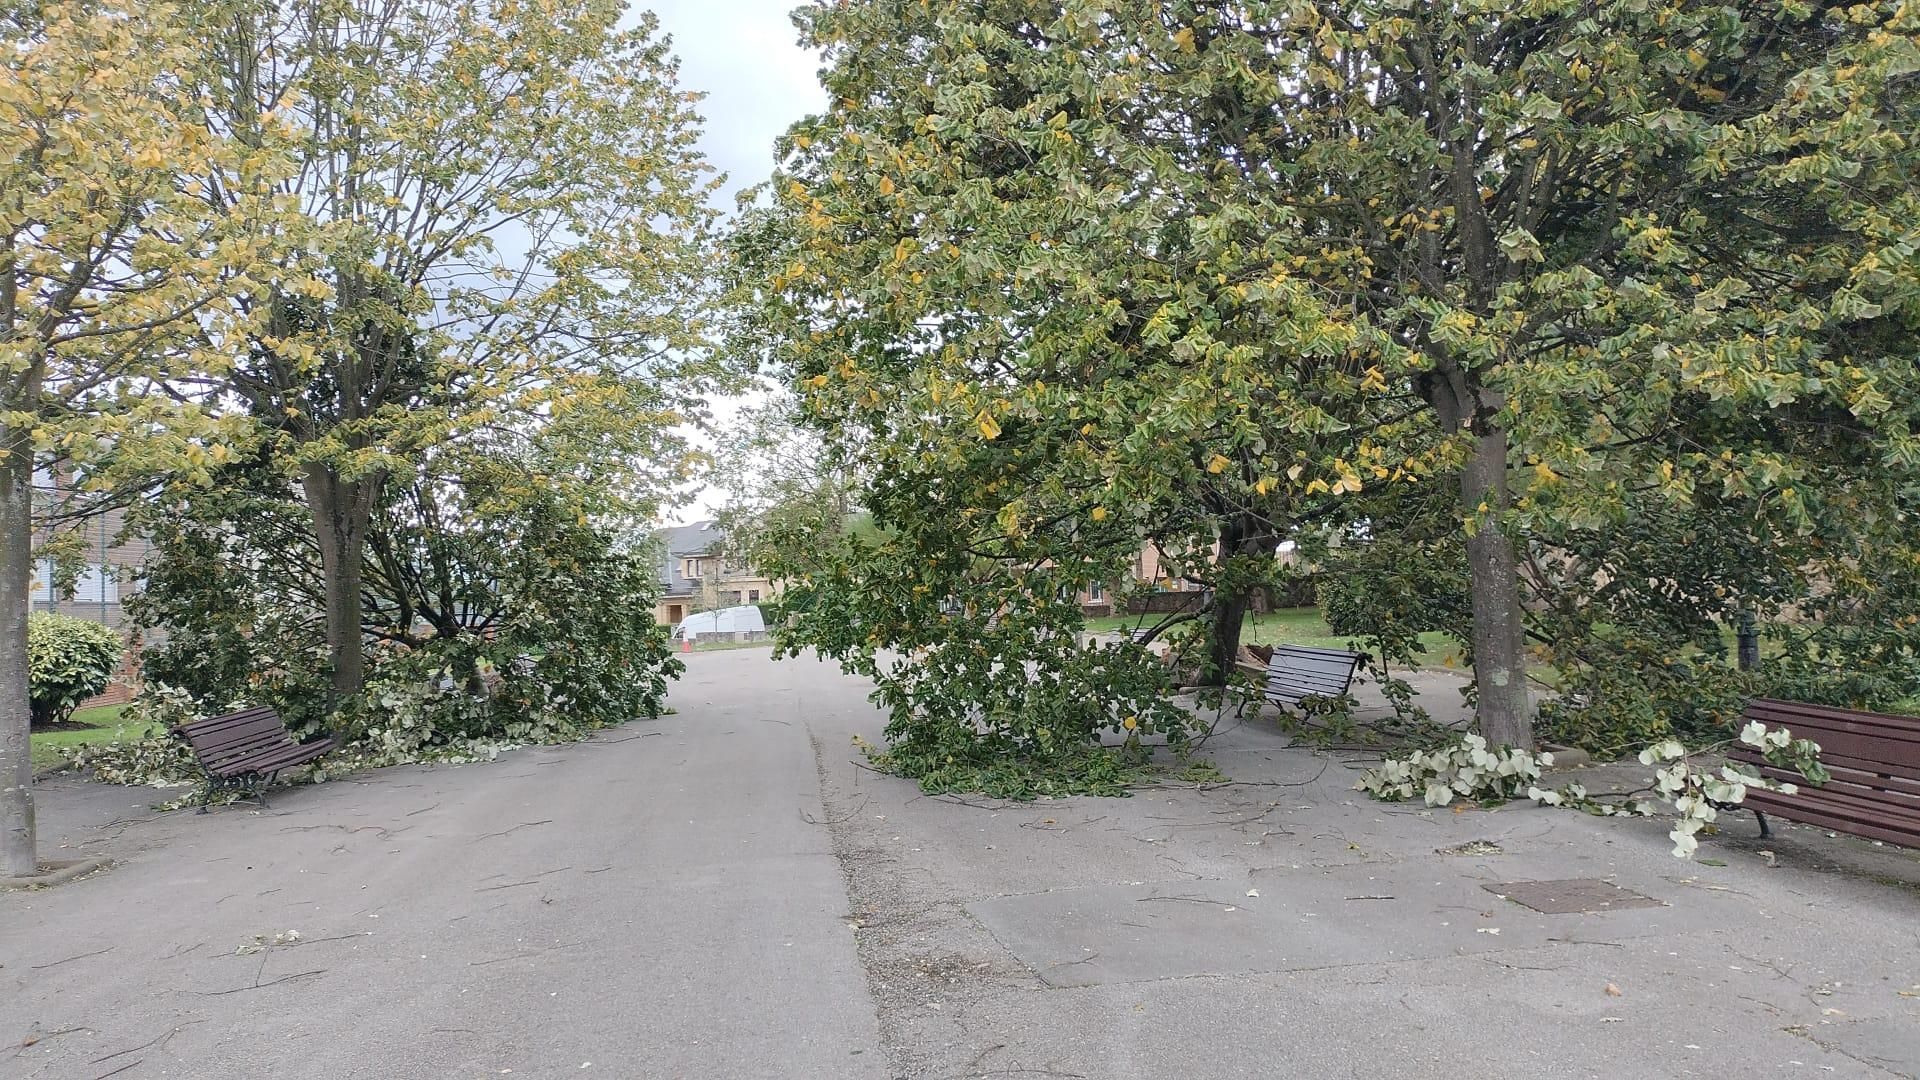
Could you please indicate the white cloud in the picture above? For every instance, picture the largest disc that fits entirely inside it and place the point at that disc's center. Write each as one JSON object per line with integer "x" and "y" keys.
{"x": 744, "y": 55}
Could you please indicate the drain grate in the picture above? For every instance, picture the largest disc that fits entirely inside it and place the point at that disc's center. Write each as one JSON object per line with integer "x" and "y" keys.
{"x": 1574, "y": 896}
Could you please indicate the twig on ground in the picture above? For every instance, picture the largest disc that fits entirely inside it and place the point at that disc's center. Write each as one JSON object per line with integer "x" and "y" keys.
{"x": 515, "y": 829}
{"x": 1269, "y": 783}
{"x": 35, "y": 1040}
{"x": 260, "y": 985}
{"x": 525, "y": 955}
{"x": 70, "y": 959}
{"x": 157, "y": 1039}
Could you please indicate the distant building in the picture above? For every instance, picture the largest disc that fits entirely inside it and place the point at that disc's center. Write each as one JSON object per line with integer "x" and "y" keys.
{"x": 111, "y": 573}
{"x": 697, "y": 575}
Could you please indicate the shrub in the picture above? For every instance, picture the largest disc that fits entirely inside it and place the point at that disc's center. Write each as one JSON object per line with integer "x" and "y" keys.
{"x": 68, "y": 661}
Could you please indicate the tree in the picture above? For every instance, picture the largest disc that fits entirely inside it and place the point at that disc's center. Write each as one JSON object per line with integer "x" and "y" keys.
{"x": 108, "y": 264}
{"x": 1635, "y": 248}
{"x": 501, "y": 590}
{"x": 1290, "y": 243}
{"x": 777, "y": 475}
{"x": 1045, "y": 353}
{"x": 503, "y": 222}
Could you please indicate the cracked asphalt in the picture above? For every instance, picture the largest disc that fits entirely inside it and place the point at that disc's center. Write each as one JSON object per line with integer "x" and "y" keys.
{"x": 724, "y": 892}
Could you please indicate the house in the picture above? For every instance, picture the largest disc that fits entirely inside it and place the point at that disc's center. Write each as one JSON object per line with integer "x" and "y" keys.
{"x": 111, "y": 566}
{"x": 697, "y": 574}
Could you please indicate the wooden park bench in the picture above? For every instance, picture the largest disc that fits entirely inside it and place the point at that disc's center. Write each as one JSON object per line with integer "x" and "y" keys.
{"x": 1298, "y": 672}
{"x": 1874, "y": 759}
{"x": 246, "y": 750}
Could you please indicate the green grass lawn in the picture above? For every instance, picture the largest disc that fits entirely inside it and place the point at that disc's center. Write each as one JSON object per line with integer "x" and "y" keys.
{"x": 727, "y": 646}
{"x": 107, "y": 727}
{"x": 1293, "y": 626}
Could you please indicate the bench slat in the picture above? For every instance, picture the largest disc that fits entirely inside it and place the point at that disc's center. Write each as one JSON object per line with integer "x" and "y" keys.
{"x": 1874, "y": 759}
{"x": 1878, "y": 737}
{"x": 1848, "y": 772}
{"x": 1829, "y": 816}
{"x": 251, "y": 741}
{"x": 1297, "y": 672}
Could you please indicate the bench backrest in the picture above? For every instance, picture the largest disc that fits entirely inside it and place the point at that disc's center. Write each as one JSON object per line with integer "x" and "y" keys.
{"x": 1301, "y": 671}
{"x": 1875, "y": 751}
{"x": 224, "y": 741}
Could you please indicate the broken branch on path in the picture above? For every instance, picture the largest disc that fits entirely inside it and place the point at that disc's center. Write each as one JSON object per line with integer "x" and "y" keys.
{"x": 1185, "y": 900}
{"x": 71, "y": 959}
{"x": 157, "y": 1039}
{"x": 261, "y": 985}
{"x": 515, "y": 829}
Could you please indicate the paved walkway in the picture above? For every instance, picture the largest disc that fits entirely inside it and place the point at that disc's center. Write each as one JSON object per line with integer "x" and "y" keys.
{"x": 724, "y": 893}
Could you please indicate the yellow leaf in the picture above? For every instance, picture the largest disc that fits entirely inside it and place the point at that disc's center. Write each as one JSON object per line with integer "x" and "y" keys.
{"x": 1184, "y": 39}
{"x": 886, "y": 185}
{"x": 1218, "y": 464}
{"x": 1266, "y": 484}
{"x": 1130, "y": 723}
{"x": 1099, "y": 513}
{"x": 989, "y": 428}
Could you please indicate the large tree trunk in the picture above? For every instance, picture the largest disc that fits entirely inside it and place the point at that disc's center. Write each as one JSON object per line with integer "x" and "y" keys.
{"x": 1240, "y": 539}
{"x": 341, "y": 511}
{"x": 17, "y": 858}
{"x": 1499, "y": 627}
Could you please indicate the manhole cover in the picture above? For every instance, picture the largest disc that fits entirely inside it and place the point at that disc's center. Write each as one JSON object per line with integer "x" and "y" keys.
{"x": 1573, "y": 896}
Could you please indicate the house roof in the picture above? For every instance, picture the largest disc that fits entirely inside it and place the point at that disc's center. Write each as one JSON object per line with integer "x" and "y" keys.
{"x": 696, "y": 539}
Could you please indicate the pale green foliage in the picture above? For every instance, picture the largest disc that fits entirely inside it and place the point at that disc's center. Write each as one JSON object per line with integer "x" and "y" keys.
{"x": 160, "y": 759}
{"x": 1092, "y": 273}
{"x": 1466, "y": 768}
{"x": 1696, "y": 793}
{"x": 68, "y": 661}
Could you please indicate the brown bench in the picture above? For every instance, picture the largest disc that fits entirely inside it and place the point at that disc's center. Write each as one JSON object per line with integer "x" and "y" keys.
{"x": 1874, "y": 759}
{"x": 246, "y": 750}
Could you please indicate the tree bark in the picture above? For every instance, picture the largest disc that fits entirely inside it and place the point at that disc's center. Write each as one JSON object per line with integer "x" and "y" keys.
{"x": 17, "y": 854}
{"x": 341, "y": 511}
{"x": 1504, "y": 711}
{"x": 1240, "y": 539}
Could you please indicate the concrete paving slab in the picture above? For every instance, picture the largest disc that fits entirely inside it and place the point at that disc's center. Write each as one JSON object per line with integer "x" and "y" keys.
{"x": 1366, "y": 915}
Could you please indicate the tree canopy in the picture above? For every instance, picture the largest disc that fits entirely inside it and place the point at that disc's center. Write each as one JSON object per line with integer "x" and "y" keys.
{"x": 1070, "y": 277}
{"x": 113, "y": 278}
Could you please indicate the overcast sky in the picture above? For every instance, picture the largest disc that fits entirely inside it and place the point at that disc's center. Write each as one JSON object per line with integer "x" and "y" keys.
{"x": 743, "y": 55}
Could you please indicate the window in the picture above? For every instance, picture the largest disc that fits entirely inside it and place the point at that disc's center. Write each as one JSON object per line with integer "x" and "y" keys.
{"x": 753, "y": 596}
{"x": 97, "y": 585}
{"x": 1096, "y": 592}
